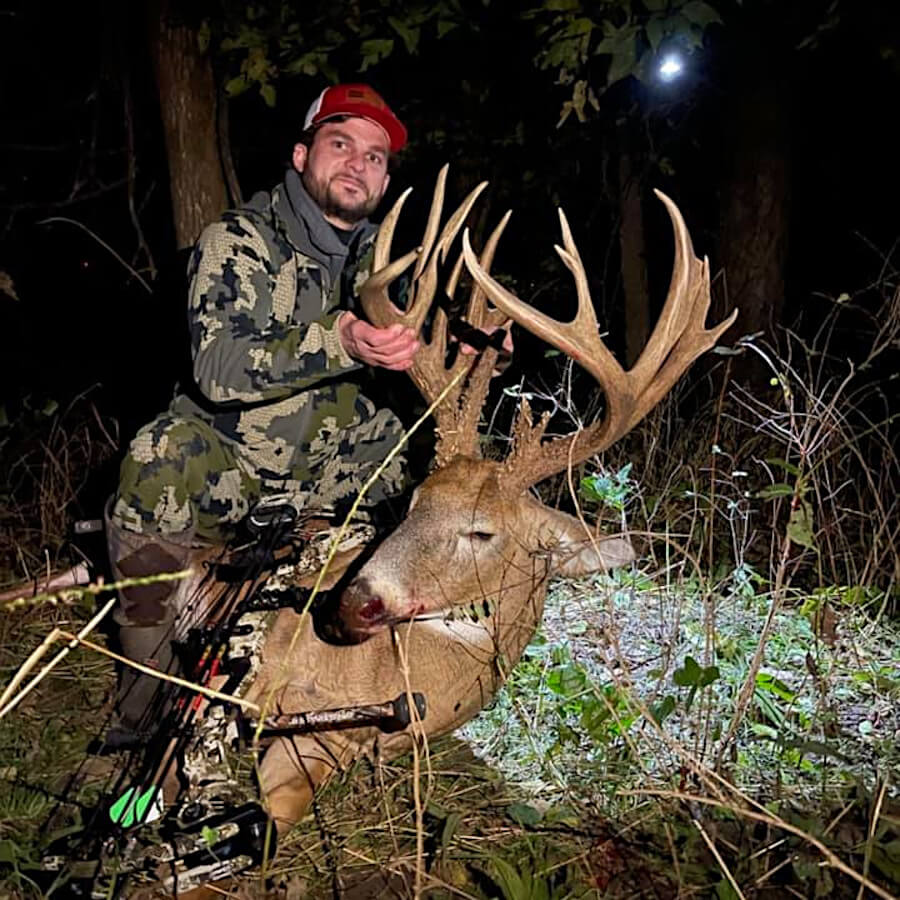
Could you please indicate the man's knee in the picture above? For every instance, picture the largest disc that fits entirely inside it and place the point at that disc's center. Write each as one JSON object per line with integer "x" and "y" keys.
{"x": 169, "y": 467}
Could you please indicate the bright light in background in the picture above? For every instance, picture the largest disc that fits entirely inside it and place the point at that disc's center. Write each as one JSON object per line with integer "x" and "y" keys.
{"x": 670, "y": 67}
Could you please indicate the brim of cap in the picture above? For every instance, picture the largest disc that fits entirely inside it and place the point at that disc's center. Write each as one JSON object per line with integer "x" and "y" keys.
{"x": 394, "y": 128}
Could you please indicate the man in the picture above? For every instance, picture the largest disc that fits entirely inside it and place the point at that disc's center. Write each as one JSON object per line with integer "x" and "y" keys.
{"x": 275, "y": 343}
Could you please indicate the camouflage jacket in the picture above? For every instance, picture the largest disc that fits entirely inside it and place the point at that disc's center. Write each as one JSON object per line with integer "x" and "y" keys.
{"x": 267, "y": 284}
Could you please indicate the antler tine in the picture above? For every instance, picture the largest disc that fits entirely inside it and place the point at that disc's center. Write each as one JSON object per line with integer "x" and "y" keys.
{"x": 434, "y": 220}
{"x": 385, "y": 236}
{"x": 477, "y": 312}
{"x": 427, "y": 280}
{"x": 373, "y": 294}
{"x": 680, "y": 335}
{"x": 678, "y": 339}
{"x": 428, "y": 372}
{"x": 675, "y": 314}
{"x": 578, "y": 339}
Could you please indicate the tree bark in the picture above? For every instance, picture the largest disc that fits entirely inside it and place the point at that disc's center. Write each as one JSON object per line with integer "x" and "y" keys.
{"x": 756, "y": 215}
{"x": 632, "y": 249}
{"x": 188, "y": 99}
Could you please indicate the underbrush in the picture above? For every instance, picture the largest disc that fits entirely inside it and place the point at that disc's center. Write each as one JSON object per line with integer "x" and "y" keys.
{"x": 47, "y": 455}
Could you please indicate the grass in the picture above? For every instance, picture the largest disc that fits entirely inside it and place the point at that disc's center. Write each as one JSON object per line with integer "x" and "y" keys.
{"x": 43, "y": 744}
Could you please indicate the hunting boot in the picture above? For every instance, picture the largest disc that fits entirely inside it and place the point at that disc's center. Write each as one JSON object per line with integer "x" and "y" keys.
{"x": 147, "y": 617}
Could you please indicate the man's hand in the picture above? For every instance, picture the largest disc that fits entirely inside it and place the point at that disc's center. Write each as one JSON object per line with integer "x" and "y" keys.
{"x": 389, "y": 348}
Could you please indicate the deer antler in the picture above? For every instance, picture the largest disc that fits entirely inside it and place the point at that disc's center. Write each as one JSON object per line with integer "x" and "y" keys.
{"x": 457, "y": 416}
{"x": 678, "y": 339}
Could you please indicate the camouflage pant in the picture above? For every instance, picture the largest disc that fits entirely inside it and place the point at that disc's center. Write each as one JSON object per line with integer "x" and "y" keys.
{"x": 182, "y": 477}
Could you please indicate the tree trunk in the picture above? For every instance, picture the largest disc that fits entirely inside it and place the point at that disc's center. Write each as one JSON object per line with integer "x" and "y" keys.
{"x": 187, "y": 97}
{"x": 634, "y": 260}
{"x": 755, "y": 215}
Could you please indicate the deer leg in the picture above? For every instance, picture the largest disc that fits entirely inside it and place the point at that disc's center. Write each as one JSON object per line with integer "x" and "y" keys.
{"x": 289, "y": 775}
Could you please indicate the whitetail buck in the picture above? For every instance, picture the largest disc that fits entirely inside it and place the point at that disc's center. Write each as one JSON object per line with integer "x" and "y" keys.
{"x": 474, "y": 538}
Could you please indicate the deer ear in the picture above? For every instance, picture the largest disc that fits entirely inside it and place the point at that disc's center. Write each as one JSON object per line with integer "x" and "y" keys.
{"x": 572, "y": 553}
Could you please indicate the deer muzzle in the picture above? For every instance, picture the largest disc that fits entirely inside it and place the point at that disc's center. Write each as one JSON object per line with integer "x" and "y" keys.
{"x": 362, "y": 610}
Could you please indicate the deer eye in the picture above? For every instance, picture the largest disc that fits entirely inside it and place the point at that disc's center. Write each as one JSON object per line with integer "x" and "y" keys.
{"x": 481, "y": 536}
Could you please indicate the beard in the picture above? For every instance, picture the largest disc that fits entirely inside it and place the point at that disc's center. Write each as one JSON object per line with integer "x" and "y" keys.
{"x": 330, "y": 203}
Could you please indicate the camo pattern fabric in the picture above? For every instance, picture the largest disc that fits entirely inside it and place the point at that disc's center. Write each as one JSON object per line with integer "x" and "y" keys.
{"x": 278, "y": 409}
{"x": 181, "y": 476}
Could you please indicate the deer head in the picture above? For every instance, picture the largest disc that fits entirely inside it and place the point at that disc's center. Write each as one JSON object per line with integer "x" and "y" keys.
{"x": 474, "y": 535}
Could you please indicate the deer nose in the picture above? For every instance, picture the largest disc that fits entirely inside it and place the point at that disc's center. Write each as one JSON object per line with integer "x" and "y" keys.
{"x": 371, "y": 609}
{"x": 360, "y": 606}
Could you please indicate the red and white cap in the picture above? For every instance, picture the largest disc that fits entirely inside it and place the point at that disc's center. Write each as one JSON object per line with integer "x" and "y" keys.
{"x": 357, "y": 100}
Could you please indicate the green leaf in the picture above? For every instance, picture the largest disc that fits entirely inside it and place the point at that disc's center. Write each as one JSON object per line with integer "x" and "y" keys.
{"x": 800, "y": 525}
{"x": 594, "y": 720}
{"x": 563, "y": 815}
{"x": 656, "y": 31}
{"x": 775, "y": 490}
{"x": 409, "y": 35}
{"x": 662, "y": 710}
{"x": 764, "y": 731}
{"x": 623, "y": 63}
{"x": 445, "y": 27}
{"x": 700, "y": 13}
{"x": 724, "y": 891}
{"x": 236, "y": 85}
{"x": 510, "y": 881}
{"x": 523, "y": 814}
{"x": 203, "y": 35}
{"x": 451, "y": 823}
{"x": 790, "y": 468}
{"x": 577, "y": 28}
{"x": 375, "y": 50}
{"x": 765, "y": 681}
{"x": 688, "y": 674}
{"x": 267, "y": 92}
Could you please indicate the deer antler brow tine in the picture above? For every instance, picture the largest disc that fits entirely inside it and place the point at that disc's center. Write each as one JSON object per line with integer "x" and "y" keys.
{"x": 383, "y": 312}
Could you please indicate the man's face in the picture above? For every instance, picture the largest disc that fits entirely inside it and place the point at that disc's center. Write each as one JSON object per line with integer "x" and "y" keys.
{"x": 345, "y": 169}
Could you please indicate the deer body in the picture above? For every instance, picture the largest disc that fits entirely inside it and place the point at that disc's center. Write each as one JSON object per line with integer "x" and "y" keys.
{"x": 462, "y": 546}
